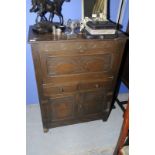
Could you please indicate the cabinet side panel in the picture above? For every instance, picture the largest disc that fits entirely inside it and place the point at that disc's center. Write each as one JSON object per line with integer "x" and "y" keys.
{"x": 38, "y": 74}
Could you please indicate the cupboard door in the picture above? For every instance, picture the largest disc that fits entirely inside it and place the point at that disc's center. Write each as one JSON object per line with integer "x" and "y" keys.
{"x": 62, "y": 109}
{"x": 92, "y": 103}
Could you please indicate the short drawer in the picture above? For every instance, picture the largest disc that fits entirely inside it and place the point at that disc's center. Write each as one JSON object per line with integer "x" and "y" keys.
{"x": 94, "y": 85}
{"x": 49, "y": 90}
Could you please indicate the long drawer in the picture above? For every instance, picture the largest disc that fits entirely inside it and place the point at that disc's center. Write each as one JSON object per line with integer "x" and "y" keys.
{"x": 77, "y": 86}
{"x": 79, "y": 47}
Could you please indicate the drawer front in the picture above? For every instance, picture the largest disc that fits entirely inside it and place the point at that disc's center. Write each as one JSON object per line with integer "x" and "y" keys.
{"x": 50, "y": 91}
{"x": 99, "y": 84}
{"x": 71, "y": 48}
{"x": 61, "y": 109}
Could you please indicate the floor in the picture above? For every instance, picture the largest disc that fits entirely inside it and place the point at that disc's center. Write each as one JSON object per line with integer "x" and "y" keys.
{"x": 91, "y": 138}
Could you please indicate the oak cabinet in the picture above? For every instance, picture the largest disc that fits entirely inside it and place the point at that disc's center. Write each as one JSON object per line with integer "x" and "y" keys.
{"x": 76, "y": 78}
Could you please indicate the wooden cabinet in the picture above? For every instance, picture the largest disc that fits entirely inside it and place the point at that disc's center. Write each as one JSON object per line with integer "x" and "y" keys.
{"x": 76, "y": 78}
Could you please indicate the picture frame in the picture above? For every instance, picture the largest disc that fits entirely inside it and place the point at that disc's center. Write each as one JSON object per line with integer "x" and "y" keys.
{"x": 90, "y": 7}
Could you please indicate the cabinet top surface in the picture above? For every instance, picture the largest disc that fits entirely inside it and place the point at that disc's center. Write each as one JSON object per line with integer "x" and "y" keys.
{"x": 34, "y": 38}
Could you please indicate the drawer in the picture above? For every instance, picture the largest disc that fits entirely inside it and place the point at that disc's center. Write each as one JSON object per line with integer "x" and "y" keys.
{"x": 71, "y": 48}
{"x": 94, "y": 85}
{"x": 65, "y": 88}
{"x": 49, "y": 90}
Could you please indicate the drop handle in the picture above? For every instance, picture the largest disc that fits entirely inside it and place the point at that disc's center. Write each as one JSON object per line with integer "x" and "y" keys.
{"x": 97, "y": 85}
{"x": 61, "y": 89}
{"x": 79, "y": 46}
{"x": 80, "y": 106}
{"x": 81, "y": 51}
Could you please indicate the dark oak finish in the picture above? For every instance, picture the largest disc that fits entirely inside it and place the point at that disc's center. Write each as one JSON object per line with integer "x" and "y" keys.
{"x": 76, "y": 78}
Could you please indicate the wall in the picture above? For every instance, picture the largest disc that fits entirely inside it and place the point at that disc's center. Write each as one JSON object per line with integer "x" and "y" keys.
{"x": 114, "y": 8}
{"x": 70, "y": 10}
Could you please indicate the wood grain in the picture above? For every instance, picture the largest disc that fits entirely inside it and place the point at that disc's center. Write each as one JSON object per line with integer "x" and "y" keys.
{"x": 75, "y": 78}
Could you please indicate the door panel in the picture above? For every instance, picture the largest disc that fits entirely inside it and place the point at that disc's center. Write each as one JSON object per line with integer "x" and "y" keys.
{"x": 78, "y": 64}
{"x": 92, "y": 103}
{"x": 62, "y": 109}
{"x": 74, "y": 66}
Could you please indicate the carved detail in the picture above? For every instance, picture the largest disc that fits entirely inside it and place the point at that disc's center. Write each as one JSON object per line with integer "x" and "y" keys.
{"x": 62, "y": 108}
{"x": 93, "y": 102}
{"x": 81, "y": 46}
{"x": 78, "y": 64}
{"x": 42, "y": 7}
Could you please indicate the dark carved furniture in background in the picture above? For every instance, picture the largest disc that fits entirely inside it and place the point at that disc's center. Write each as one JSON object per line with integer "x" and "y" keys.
{"x": 124, "y": 72}
{"x": 76, "y": 78}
